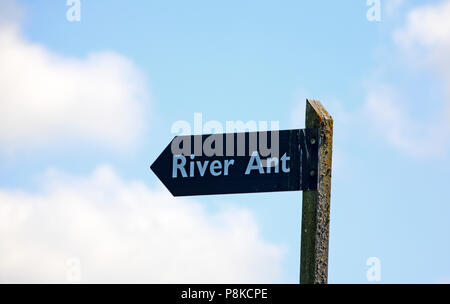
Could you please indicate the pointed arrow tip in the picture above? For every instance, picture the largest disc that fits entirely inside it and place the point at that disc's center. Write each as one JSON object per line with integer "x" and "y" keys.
{"x": 155, "y": 168}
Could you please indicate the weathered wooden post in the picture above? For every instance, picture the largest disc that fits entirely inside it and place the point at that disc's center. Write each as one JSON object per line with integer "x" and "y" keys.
{"x": 316, "y": 204}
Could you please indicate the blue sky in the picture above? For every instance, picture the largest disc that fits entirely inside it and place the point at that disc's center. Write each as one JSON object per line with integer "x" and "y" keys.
{"x": 385, "y": 83}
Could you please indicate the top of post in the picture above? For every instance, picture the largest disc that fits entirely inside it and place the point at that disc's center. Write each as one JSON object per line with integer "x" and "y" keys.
{"x": 316, "y": 114}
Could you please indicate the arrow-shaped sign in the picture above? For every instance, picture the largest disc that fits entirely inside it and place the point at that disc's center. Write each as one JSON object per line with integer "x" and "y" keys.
{"x": 240, "y": 162}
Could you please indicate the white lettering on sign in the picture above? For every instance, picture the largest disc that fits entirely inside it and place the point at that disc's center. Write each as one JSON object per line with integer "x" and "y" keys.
{"x": 217, "y": 167}
{"x": 284, "y": 160}
{"x": 255, "y": 158}
{"x": 258, "y": 166}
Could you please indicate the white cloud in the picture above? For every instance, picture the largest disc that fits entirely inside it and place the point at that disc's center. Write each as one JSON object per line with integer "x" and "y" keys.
{"x": 427, "y": 25}
{"x": 125, "y": 232}
{"x": 48, "y": 98}
{"x": 426, "y": 38}
{"x": 424, "y": 42}
{"x": 385, "y": 108}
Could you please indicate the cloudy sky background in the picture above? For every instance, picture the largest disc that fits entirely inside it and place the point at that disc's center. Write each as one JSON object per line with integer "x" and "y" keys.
{"x": 85, "y": 107}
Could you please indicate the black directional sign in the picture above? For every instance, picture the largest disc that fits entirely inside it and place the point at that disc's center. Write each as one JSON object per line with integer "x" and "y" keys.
{"x": 240, "y": 162}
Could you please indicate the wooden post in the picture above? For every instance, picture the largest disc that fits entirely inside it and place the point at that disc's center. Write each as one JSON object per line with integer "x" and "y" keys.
{"x": 316, "y": 204}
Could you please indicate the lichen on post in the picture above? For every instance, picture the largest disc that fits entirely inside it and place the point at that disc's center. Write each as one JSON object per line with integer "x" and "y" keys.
{"x": 316, "y": 203}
